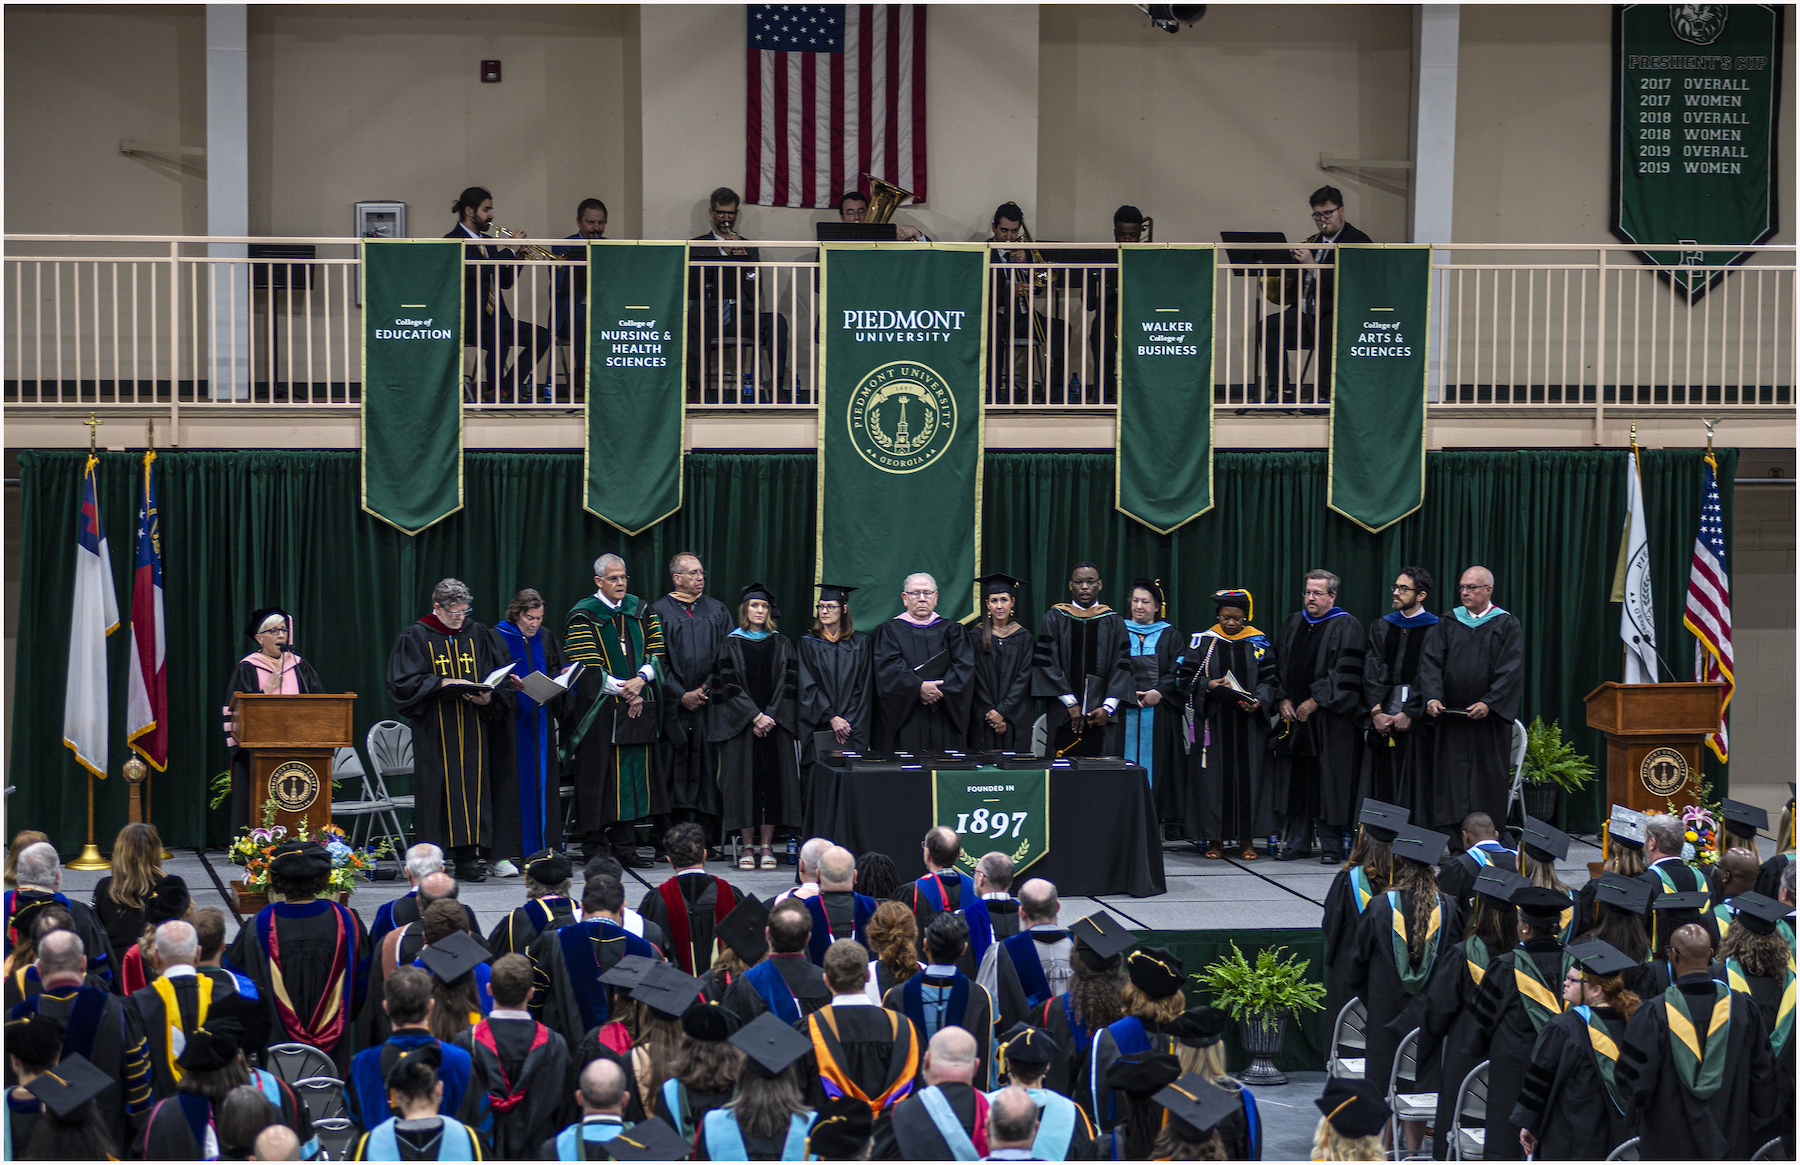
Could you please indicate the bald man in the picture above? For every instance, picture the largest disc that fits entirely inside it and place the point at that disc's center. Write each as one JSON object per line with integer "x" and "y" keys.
{"x": 1735, "y": 873}
{"x": 276, "y": 1143}
{"x": 917, "y": 1132}
{"x": 602, "y": 1097}
{"x": 924, "y": 675}
{"x": 837, "y": 910}
{"x": 1012, "y": 1125}
{"x": 1470, "y": 672}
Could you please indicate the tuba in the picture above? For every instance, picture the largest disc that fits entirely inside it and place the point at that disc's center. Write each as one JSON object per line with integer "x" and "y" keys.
{"x": 884, "y": 199}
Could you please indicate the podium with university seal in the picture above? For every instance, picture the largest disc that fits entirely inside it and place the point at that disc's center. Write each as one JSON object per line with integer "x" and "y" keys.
{"x": 1654, "y": 734}
{"x": 291, "y": 741}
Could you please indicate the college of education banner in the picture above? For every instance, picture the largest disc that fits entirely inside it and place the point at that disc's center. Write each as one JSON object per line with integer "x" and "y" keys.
{"x": 900, "y": 423}
{"x": 1382, "y": 319}
{"x": 1694, "y": 100}
{"x": 636, "y": 357}
{"x": 1162, "y": 445}
{"x": 994, "y": 809}
{"x": 412, "y": 441}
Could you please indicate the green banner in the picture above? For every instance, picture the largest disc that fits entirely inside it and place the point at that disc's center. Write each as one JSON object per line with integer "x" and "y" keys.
{"x": 1162, "y": 446}
{"x": 1382, "y": 316}
{"x": 412, "y": 441}
{"x": 995, "y": 809}
{"x": 636, "y": 352}
{"x": 1694, "y": 101}
{"x": 900, "y": 422}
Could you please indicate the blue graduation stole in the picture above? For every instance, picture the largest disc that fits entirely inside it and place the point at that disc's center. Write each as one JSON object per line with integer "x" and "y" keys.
{"x": 912, "y": 997}
{"x": 1023, "y": 949}
{"x": 822, "y": 938}
{"x": 454, "y": 1143}
{"x": 565, "y": 1140}
{"x": 577, "y": 947}
{"x": 981, "y": 923}
{"x": 1478, "y": 853}
{"x": 1077, "y": 1029}
{"x": 725, "y": 1141}
{"x": 943, "y": 1118}
{"x": 1129, "y": 1037}
{"x": 933, "y": 889}
{"x": 766, "y": 979}
{"x": 197, "y": 1111}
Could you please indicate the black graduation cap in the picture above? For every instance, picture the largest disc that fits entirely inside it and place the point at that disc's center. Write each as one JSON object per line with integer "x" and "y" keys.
{"x": 842, "y": 1131}
{"x": 1746, "y": 819}
{"x": 1027, "y": 1045}
{"x": 300, "y": 861}
{"x": 1600, "y": 958}
{"x": 1419, "y": 845}
{"x": 167, "y": 899}
{"x": 1540, "y": 903}
{"x": 709, "y": 1021}
{"x": 34, "y": 1038}
{"x": 1143, "y": 1074}
{"x": 453, "y": 956}
{"x": 1155, "y": 589}
{"x": 770, "y": 1045}
{"x": 212, "y": 1047}
{"x": 1235, "y": 597}
{"x": 743, "y": 930}
{"x": 1499, "y": 884}
{"x": 756, "y": 590}
{"x": 1687, "y": 900}
{"x": 1196, "y": 1105}
{"x": 1758, "y": 913}
{"x": 1382, "y": 819}
{"x": 999, "y": 584}
{"x": 1625, "y": 895}
{"x": 1354, "y": 1107}
{"x": 1544, "y": 841}
{"x": 667, "y": 989}
{"x": 1626, "y": 827}
{"x": 1156, "y": 971}
{"x": 258, "y": 618}
{"x": 651, "y": 1140}
{"x": 834, "y": 593}
{"x": 548, "y": 868}
{"x": 66, "y": 1088}
{"x": 1102, "y": 934}
{"x": 628, "y": 972}
{"x": 1198, "y": 1027}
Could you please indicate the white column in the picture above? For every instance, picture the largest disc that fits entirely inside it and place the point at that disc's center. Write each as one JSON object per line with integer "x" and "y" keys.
{"x": 228, "y": 196}
{"x": 1436, "y": 31}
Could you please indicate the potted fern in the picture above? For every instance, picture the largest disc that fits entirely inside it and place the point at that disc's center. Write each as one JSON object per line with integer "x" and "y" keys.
{"x": 1551, "y": 766}
{"x": 1261, "y": 997}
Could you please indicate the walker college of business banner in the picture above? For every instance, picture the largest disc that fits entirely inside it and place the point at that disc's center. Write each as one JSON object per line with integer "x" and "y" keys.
{"x": 1694, "y": 93}
{"x": 900, "y": 422}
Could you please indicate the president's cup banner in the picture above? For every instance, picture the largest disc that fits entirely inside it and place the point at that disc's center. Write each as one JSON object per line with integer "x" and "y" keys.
{"x": 636, "y": 412}
{"x": 902, "y": 332}
{"x": 1378, "y": 369}
{"x": 412, "y": 440}
{"x": 1694, "y": 103}
{"x": 1162, "y": 451}
{"x": 1004, "y": 810}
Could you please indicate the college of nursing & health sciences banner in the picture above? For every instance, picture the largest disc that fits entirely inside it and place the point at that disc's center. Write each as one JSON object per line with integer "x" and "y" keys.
{"x": 901, "y": 341}
{"x": 636, "y": 353}
{"x": 412, "y": 440}
{"x": 1378, "y": 369}
{"x": 1162, "y": 445}
{"x": 994, "y": 809}
{"x": 1694, "y": 100}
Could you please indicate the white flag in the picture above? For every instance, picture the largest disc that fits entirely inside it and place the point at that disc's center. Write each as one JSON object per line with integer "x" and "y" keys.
{"x": 95, "y": 616}
{"x": 1637, "y": 617}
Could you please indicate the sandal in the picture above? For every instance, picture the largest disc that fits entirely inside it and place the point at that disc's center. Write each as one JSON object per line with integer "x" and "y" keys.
{"x": 746, "y": 861}
{"x": 768, "y": 858}
{"x": 1212, "y": 852}
{"x": 1249, "y": 853}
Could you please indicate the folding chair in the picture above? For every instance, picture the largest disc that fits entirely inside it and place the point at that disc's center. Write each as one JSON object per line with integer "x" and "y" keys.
{"x": 323, "y": 1097}
{"x": 1516, "y": 794}
{"x": 336, "y": 1136}
{"x": 390, "y": 749}
{"x": 1407, "y": 1106}
{"x": 345, "y": 765}
{"x": 1625, "y": 1151}
{"x": 1769, "y": 1152}
{"x": 1348, "y": 1032}
{"x": 296, "y": 1062}
{"x": 1465, "y": 1143}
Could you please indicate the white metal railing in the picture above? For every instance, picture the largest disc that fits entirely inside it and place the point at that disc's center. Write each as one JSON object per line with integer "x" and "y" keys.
{"x": 129, "y": 321}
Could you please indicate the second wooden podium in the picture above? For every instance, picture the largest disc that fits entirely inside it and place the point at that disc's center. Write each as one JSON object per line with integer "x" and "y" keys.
{"x": 291, "y": 740}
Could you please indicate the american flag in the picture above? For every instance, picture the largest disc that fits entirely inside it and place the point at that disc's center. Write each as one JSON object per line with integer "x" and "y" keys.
{"x": 834, "y": 91}
{"x": 1708, "y": 613}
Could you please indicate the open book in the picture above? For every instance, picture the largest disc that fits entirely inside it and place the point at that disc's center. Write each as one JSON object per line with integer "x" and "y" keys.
{"x": 1231, "y": 681}
{"x": 543, "y": 689}
{"x": 493, "y": 678}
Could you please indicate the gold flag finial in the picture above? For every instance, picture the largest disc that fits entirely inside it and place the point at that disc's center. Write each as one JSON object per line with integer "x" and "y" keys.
{"x": 93, "y": 424}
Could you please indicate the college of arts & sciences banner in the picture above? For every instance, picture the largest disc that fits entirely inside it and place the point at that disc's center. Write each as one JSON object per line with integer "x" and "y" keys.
{"x": 994, "y": 809}
{"x": 1694, "y": 101}
{"x": 1162, "y": 445}
{"x": 636, "y": 355}
{"x": 902, "y": 334}
{"x": 412, "y": 439}
{"x": 1377, "y": 445}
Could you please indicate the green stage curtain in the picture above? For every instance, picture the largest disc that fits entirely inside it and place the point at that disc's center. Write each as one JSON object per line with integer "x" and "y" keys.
{"x": 244, "y": 529}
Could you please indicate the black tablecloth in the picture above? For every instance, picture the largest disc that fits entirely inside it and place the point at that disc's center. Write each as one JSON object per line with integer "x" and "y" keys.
{"x": 1104, "y": 836}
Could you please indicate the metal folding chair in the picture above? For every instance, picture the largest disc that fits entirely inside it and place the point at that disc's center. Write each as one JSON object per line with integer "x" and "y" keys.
{"x": 390, "y": 748}
{"x": 1465, "y": 1143}
{"x": 296, "y": 1062}
{"x": 1347, "y": 1031}
{"x": 345, "y": 765}
{"x": 1625, "y": 1150}
{"x": 323, "y": 1097}
{"x": 337, "y": 1138}
{"x": 1769, "y": 1152}
{"x": 1406, "y": 1106}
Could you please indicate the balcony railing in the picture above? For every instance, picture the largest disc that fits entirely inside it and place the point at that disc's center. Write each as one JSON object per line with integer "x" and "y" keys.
{"x": 99, "y": 322}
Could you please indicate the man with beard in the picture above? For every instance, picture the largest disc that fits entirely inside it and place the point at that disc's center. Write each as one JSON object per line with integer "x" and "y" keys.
{"x": 1318, "y": 744}
{"x": 1399, "y": 750}
{"x": 693, "y": 625}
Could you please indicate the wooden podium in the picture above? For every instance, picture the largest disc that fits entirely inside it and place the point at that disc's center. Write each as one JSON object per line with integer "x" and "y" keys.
{"x": 291, "y": 740}
{"x": 1654, "y": 734}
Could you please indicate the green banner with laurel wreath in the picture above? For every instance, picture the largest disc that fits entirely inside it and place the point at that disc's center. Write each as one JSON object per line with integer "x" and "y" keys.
{"x": 902, "y": 335}
{"x": 994, "y": 809}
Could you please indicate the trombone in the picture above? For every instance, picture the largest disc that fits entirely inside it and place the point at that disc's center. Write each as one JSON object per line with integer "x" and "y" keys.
{"x": 1040, "y": 279}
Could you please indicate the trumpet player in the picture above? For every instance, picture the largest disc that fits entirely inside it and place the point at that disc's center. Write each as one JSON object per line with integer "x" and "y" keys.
{"x": 486, "y": 316}
{"x": 1017, "y": 323}
{"x": 1298, "y": 325}
{"x": 727, "y": 328}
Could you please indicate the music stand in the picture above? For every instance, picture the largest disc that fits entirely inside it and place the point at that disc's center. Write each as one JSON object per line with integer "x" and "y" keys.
{"x": 856, "y": 232}
{"x": 1256, "y": 255}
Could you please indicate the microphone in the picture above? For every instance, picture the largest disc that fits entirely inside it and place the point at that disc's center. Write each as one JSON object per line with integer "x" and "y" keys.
{"x": 1638, "y": 641}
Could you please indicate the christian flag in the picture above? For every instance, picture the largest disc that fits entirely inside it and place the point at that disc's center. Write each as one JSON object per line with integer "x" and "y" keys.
{"x": 147, "y": 708}
{"x": 95, "y": 615}
{"x": 834, "y": 91}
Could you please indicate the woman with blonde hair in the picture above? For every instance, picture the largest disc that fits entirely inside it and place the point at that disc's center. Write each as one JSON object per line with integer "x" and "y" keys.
{"x": 1199, "y": 1036}
{"x": 894, "y": 937}
{"x": 137, "y": 875}
{"x": 753, "y": 716}
{"x": 1353, "y": 1117}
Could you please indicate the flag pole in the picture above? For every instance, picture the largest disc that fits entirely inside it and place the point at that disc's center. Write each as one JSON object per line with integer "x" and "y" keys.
{"x": 148, "y": 788}
{"x": 90, "y": 858}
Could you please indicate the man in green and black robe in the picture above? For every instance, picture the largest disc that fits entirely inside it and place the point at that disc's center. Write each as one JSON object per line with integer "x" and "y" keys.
{"x": 1082, "y": 670}
{"x": 616, "y": 714}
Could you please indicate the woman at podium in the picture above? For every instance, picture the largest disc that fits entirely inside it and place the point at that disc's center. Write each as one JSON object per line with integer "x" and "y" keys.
{"x": 271, "y": 670}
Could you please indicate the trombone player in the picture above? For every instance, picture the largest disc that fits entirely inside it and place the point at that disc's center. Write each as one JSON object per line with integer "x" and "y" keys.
{"x": 1016, "y": 321}
{"x": 485, "y": 314}
{"x": 1298, "y": 324}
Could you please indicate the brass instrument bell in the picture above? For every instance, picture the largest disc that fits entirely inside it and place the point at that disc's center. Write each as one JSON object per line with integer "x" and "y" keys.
{"x": 884, "y": 199}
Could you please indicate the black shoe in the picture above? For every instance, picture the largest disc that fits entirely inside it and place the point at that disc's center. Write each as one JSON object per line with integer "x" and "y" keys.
{"x": 715, "y": 854}
{"x": 1330, "y": 858}
{"x": 470, "y": 872}
{"x": 1292, "y": 855}
{"x": 629, "y": 857}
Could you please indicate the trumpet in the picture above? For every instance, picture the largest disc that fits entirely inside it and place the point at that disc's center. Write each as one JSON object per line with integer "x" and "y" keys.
{"x": 529, "y": 250}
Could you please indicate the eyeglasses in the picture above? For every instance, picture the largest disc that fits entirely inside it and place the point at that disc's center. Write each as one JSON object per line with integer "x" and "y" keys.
{"x": 459, "y": 612}
{"x": 1476, "y": 587}
{"x": 918, "y": 594}
{"x": 1412, "y": 590}
{"x": 1326, "y": 213}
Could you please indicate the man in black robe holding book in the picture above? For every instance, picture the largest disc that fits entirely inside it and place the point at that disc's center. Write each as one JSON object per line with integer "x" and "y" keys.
{"x": 1470, "y": 672}
{"x": 1318, "y": 744}
{"x": 924, "y": 675}
{"x": 1399, "y": 747}
{"x": 1082, "y": 670}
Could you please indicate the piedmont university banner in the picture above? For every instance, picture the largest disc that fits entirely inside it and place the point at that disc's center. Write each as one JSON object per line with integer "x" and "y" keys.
{"x": 902, "y": 335}
{"x": 1162, "y": 445}
{"x": 412, "y": 440}
{"x": 636, "y": 415}
{"x": 1382, "y": 317}
{"x": 1694, "y": 101}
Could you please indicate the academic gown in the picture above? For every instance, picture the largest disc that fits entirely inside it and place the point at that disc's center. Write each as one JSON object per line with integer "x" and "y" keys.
{"x": 908, "y": 1133}
{"x": 837, "y": 914}
{"x": 110, "y": 1033}
{"x": 515, "y": 933}
{"x": 1456, "y": 875}
{"x": 515, "y": 1097}
{"x": 837, "y": 678}
{"x": 1002, "y": 683}
{"x": 398, "y": 948}
{"x": 1345, "y": 901}
{"x": 610, "y": 748}
{"x": 1376, "y": 974}
{"x": 1073, "y": 644}
{"x": 1449, "y": 1030}
{"x": 88, "y": 928}
{"x": 1153, "y": 735}
{"x": 716, "y": 984}
{"x": 975, "y": 1015}
{"x": 687, "y": 772}
{"x": 177, "y": 1129}
{"x": 193, "y": 1008}
{"x": 1073, "y": 1040}
{"x": 462, "y": 751}
{"x": 759, "y": 776}
{"x": 1767, "y": 992}
{"x": 902, "y": 723}
{"x": 366, "y": 1094}
{"x": 1111, "y": 1107}
{"x": 236, "y": 998}
{"x": 249, "y": 675}
{"x": 321, "y": 953}
{"x": 528, "y": 815}
{"x": 1508, "y": 1030}
{"x": 566, "y": 967}
{"x": 1675, "y": 1125}
{"x": 807, "y": 990}
{"x": 1224, "y": 790}
{"x": 24, "y": 984}
{"x": 1565, "y": 1100}
{"x": 687, "y": 907}
{"x": 1685, "y": 879}
{"x": 870, "y": 1051}
{"x": 1024, "y": 971}
{"x": 1321, "y": 659}
{"x": 1768, "y": 879}
{"x": 1398, "y": 764}
{"x": 946, "y": 890}
{"x": 1459, "y": 666}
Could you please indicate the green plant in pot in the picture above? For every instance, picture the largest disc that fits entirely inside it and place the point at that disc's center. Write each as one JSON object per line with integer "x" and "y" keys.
{"x": 1261, "y": 996}
{"x": 1551, "y": 765}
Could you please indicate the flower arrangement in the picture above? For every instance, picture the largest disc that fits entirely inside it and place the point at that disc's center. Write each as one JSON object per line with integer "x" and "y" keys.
{"x": 253, "y": 848}
{"x": 1700, "y": 841}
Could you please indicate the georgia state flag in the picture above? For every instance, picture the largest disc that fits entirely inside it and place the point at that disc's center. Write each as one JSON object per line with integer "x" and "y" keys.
{"x": 147, "y": 707}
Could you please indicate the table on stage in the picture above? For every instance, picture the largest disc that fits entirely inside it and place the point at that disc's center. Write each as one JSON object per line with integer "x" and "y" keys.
{"x": 1104, "y": 835}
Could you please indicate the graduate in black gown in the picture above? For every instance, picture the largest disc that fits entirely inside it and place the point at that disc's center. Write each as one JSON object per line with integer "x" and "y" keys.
{"x": 569, "y": 962}
{"x": 1001, "y": 717}
{"x": 178, "y": 1128}
{"x": 1571, "y": 1107}
{"x": 1318, "y": 750}
{"x": 461, "y": 746}
{"x": 1223, "y": 789}
{"x": 1081, "y": 670}
{"x": 1470, "y": 674}
{"x": 547, "y": 905}
{"x": 1756, "y": 959}
{"x": 691, "y": 902}
{"x": 837, "y": 677}
{"x": 1482, "y": 849}
{"x": 924, "y": 675}
{"x": 1399, "y": 744}
{"x": 754, "y": 719}
{"x": 53, "y": 1113}
{"x": 515, "y": 1097}
{"x": 1152, "y": 722}
{"x": 272, "y": 669}
{"x": 1363, "y": 878}
{"x": 693, "y": 625}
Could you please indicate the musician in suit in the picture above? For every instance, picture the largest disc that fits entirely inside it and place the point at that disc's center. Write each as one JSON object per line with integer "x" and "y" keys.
{"x": 724, "y": 288}
{"x": 485, "y": 314}
{"x": 853, "y": 206}
{"x": 1307, "y": 296}
{"x": 1016, "y": 321}
{"x": 1103, "y": 295}
{"x": 568, "y": 285}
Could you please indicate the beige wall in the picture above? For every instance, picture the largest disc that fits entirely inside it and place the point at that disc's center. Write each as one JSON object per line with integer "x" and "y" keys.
{"x": 1762, "y": 614}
